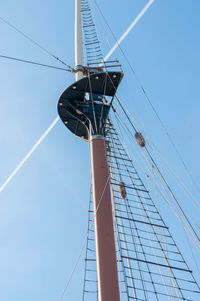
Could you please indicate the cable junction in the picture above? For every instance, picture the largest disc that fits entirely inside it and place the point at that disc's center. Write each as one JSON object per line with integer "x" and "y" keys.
{"x": 34, "y": 42}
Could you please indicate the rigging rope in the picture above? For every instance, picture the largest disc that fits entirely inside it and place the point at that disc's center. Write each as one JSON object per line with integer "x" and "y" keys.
{"x": 191, "y": 250}
{"x": 160, "y": 173}
{"x": 135, "y": 21}
{"x": 172, "y": 193}
{"x": 146, "y": 94}
{"x": 189, "y": 230}
{"x": 174, "y": 290}
{"x": 166, "y": 165}
{"x": 126, "y": 247}
{"x": 34, "y": 63}
{"x": 34, "y": 42}
{"x": 170, "y": 169}
{"x": 91, "y": 42}
{"x": 90, "y": 258}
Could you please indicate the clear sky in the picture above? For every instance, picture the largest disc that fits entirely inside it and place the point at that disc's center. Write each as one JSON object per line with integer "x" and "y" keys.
{"x": 43, "y": 210}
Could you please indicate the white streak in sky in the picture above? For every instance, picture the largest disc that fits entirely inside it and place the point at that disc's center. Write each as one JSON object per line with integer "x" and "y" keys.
{"x": 129, "y": 29}
{"x": 56, "y": 120}
{"x": 29, "y": 154}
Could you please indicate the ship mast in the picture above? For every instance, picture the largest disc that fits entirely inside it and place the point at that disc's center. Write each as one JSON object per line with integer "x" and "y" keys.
{"x": 108, "y": 288}
{"x": 150, "y": 265}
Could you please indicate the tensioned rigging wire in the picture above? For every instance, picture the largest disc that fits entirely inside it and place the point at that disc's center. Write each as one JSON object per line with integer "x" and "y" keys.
{"x": 169, "y": 188}
{"x": 105, "y": 34}
{"x": 177, "y": 202}
{"x": 194, "y": 258}
{"x": 177, "y": 215}
{"x": 122, "y": 158}
{"x": 167, "y": 166}
{"x": 116, "y": 208}
{"x": 153, "y": 161}
{"x": 34, "y": 42}
{"x": 128, "y": 261}
{"x": 34, "y": 63}
{"x": 90, "y": 249}
{"x": 163, "y": 178}
{"x": 171, "y": 279}
{"x": 91, "y": 41}
{"x": 177, "y": 178}
{"x": 149, "y": 101}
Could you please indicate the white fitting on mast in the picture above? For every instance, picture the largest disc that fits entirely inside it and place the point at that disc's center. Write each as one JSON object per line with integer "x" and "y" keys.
{"x": 78, "y": 41}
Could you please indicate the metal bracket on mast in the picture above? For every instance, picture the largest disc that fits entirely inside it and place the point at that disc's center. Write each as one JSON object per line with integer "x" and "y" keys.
{"x": 82, "y": 106}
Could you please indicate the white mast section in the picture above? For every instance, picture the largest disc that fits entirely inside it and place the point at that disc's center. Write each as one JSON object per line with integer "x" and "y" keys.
{"x": 78, "y": 41}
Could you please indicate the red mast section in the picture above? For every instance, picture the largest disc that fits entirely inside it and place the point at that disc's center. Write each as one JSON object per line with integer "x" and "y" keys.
{"x": 107, "y": 275}
{"x": 83, "y": 110}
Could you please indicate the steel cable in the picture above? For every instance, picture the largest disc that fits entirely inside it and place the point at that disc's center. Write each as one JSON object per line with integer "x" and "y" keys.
{"x": 34, "y": 63}
{"x": 34, "y": 42}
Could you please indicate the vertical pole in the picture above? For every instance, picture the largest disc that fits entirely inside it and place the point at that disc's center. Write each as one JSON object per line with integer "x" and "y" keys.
{"x": 78, "y": 41}
{"x": 108, "y": 288}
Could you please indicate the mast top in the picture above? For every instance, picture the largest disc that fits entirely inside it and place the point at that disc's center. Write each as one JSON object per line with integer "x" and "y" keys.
{"x": 78, "y": 41}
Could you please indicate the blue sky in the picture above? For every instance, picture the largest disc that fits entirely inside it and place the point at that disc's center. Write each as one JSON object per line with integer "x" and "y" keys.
{"x": 43, "y": 210}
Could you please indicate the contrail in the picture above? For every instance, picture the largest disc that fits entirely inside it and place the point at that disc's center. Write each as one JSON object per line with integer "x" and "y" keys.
{"x": 56, "y": 120}
{"x": 129, "y": 29}
{"x": 29, "y": 154}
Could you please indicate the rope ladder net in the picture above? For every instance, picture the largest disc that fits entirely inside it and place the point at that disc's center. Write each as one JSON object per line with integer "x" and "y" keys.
{"x": 92, "y": 47}
{"x": 150, "y": 265}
